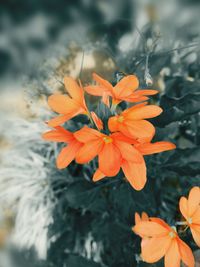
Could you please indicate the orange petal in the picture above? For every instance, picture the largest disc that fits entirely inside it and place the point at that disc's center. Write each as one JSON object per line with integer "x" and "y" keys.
{"x": 59, "y": 135}
{"x": 62, "y": 104}
{"x": 145, "y": 216}
{"x": 60, "y": 120}
{"x": 105, "y": 99}
{"x": 133, "y": 98}
{"x": 89, "y": 151}
{"x": 113, "y": 124}
{"x": 87, "y": 134}
{"x": 150, "y": 229}
{"x": 161, "y": 222}
{"x": 193, "y": 200}
{"x": 183, "y": 206}
{"x": 137, "y": 218}
{"x": 195, "y": 229}
{"x": 146, "y": 92}
{"x": 97, "y": 90}
{"x": 126, "y": 86}
{"x": 109, "y": 160}
{"x": 98, "y": 122}
{"x": 145, "y": 112}
{"x": 98, "y": 175}
{"x": 121, "y": 137}
{"x": 135, "y": 174}
{"x": 173, "y": 255}
{"x": 155, "y": 248}
{"x": 142, "y": 130}
{"x": 75, "y": 91}
{"x": 128, "y": 152}
{"x": 151, "y": 148}
{"x": 196, "y": 216}
{"x": 140, "y": 105}
{"x": 67, "y": 155}
{"x": 104, "y": 84}
{"x": 186, "y": 253}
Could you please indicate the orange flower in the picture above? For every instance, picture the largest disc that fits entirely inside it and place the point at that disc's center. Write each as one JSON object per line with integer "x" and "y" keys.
{"x": 116, "y": 151}
{"x": 132, "y": 123}
{"x": 190, "y": 209}
{"x": 161, "y": 240}
{"x": 111, "y": 150}
{"x": 67, "y": 105}
{"x": 68, "y": 153}
{"x": 135, "y": 171}
{"x": 124, "y": 90}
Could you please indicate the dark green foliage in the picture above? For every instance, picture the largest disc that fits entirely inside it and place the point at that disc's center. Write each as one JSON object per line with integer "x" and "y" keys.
{"x": 106, "y": 209}
{"x": 176, "y": 109}
{"x": 78, "y": 261}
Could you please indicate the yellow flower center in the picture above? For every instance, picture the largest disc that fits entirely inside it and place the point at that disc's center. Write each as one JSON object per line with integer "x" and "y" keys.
{"x": 120, "y": 119}
{"x": 189, "y": 220}
{"x": 172, "y": 234}
{"x": 107, "y": 139}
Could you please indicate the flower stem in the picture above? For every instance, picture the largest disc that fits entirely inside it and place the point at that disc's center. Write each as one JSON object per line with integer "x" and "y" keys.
{"x": 181, "y": 223}
{"x": 90, "y": 118}
{"x": 113, "y": 108}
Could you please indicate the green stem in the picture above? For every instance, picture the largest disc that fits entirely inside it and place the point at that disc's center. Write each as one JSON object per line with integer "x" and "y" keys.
{"x": 90, "y": 118}
{"x": 113, "y": 108}
{"x": 181, "y": 223}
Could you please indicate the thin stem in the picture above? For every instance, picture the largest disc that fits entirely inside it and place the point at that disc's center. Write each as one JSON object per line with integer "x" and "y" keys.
{"x": 176, "y": 49}
{"x": 88, "y": 112}
{"x": 183, "y": 231}
{"x": 181, "y": 223}
{"x": 113, "y": 108}
{"x": 82, "y": 61}
{"x": 59, "y": 81}
{"x": 91, "y": 120}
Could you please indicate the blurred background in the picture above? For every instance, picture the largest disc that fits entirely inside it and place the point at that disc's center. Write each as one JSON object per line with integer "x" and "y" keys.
{"x": 40, "y": 42}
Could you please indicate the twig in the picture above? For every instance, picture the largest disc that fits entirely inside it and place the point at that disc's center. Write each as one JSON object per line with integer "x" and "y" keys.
{"x": 82, "y": 61}
{"x": 175, "y": 49}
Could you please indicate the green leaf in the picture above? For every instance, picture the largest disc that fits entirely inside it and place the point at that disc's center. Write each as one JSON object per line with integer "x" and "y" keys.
{"x": 86, "y": 195}
{"x": 79, "y": 261}
{"x": 184, "y": 161}
{"x": 176, "y": 109}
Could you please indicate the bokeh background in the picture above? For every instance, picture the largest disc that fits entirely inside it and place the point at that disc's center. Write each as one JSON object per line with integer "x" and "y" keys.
{"x": 40, "y": 42}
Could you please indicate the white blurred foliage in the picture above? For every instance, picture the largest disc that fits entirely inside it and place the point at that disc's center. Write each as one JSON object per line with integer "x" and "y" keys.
{"x": 147, "y": 76}
{"x": 25, "y": 184}
{"x": 93, "y": 249}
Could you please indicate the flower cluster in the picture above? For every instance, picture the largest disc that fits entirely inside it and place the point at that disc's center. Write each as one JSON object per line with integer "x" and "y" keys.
{"x": 160, "y": 240}
{"x": 120, "y": 141}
